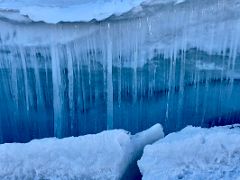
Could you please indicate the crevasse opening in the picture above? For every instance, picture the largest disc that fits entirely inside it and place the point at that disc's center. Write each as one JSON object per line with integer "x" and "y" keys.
{"x": 174, "y": 63}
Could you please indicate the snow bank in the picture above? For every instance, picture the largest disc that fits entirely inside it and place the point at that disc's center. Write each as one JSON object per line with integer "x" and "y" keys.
{"x": 192, "y": 24}
{"x": 102, "y": 156}
{"x": 54, "y": 11}
{"x": 194, "y": 153}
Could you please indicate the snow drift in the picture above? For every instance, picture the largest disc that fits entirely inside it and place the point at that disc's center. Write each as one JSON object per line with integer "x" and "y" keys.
{"x": 194, "y": 153}
{"x": 102, "y": 156}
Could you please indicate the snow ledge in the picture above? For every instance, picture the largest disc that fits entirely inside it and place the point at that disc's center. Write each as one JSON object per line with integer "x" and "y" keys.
{"x": 194, "y": 153}
{"x": 101, "y": 156}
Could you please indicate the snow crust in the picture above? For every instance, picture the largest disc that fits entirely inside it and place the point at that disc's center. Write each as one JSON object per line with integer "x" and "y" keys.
{"x": 102, "y": 156}
{"x": 194, "y": 153}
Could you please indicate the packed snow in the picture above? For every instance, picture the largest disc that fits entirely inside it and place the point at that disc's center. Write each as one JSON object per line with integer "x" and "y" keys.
{"x": 194, "y": 153}
{"x": 102, "y": 156}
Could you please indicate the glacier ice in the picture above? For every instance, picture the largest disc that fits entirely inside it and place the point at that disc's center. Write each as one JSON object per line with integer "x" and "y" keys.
{"x": 101, "y": 156}
{"x": 160, "y": 60}
{"x": 194, "y": 153}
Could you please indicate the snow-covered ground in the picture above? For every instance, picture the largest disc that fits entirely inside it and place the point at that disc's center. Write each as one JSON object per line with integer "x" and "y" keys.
{"x": 194, "y": 153}
{"x": 102, "y": 156}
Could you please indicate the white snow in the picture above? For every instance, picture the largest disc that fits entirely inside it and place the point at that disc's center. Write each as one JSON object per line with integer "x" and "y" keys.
{"x": 102, "y": 156}
{"x": 192, "y": 24}
{"x": 53, "y": 11}
{"x": 194, "y": 153}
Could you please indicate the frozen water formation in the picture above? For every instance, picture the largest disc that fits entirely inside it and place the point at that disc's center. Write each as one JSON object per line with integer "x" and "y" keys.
{"x": 128, "y": 64}
{"x": 101, "y": 156}
{"x": 194, "y": 153}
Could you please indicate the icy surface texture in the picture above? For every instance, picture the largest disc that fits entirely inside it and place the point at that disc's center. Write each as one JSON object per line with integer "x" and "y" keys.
{"x": 168, "y": 59}
{"x": 194, "y": 153}
{"x": 102, "y": 156}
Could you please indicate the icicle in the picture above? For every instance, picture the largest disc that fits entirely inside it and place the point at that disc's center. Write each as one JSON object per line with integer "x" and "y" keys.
{"x": 119, "y": 75}
{"x": 135, "y": 62}
{"x": 25, "y": 77}
{"x": 169, "y": 88}
{"x": 70, "y": 86}
{"x": 181, "y": 84}
{"x": 35, "y": 63}
{"x": 109, "y": 81}
{"x": 57, "y": 97}
{"x": 89, "y": 59}
{"x": 14, "y": 89}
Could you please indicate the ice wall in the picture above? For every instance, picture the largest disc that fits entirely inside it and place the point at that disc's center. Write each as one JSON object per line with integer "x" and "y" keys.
{"x": 165, "y": 60}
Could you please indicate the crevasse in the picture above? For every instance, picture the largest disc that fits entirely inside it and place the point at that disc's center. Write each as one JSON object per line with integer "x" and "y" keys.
{"x": 176, "y": 63}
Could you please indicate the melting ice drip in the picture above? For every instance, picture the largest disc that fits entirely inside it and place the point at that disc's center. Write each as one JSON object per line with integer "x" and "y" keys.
{"x": 178, "y": 66}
